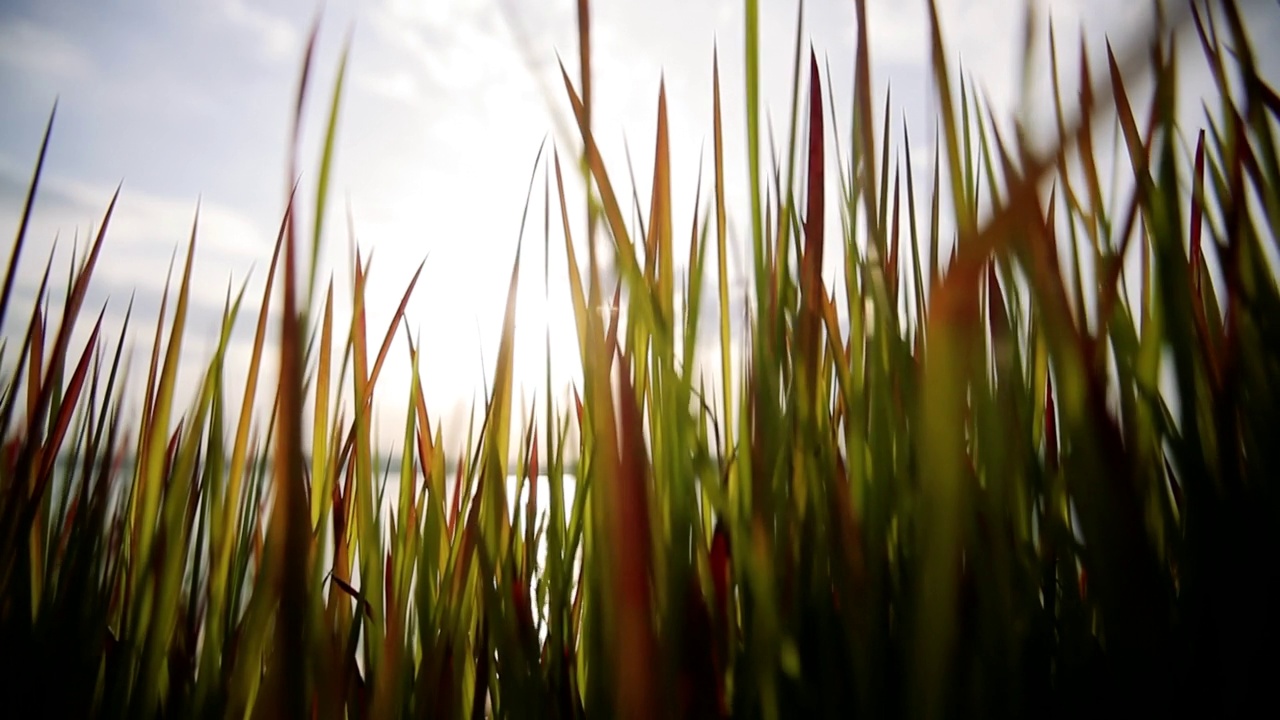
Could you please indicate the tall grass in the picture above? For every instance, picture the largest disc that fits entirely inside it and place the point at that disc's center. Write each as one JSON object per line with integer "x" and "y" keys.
{"x": 944, "y": 486}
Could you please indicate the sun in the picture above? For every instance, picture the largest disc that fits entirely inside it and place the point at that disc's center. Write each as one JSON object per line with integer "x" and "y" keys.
{"x": 545, "y": 338}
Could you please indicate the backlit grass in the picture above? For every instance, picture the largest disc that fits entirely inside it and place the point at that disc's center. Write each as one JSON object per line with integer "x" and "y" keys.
{"x": 970, "y": 478}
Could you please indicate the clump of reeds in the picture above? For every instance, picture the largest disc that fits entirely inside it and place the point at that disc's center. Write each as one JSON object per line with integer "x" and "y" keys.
{"x": 952, "y": 486}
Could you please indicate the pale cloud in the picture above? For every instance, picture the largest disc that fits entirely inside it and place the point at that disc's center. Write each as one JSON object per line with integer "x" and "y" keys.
{"x": 145, "y": 232}
{"x": 27, "y": 47}
{"x": 399, "y": 86}
{"x": 280, "y": 39}
{"x": 458, "y": 45}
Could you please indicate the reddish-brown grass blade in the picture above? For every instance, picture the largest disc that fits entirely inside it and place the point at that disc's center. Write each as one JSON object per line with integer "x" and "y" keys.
{"x": 27, "y": 205}
{"x": 75, "y": 298}
{"x": 35, "y": 365}
{"x": 69, "y": 404}
{"x": 391, "y": 329}
{"x": 660, "y": 211}
{"x": 1196, "y": 264}
{"x": 811, "y": 261}
{"x": 292, "y": 508}
{"x": 635, "y": 651}
{"x": 347, "y": 588}
{"x": 34, "y": 324}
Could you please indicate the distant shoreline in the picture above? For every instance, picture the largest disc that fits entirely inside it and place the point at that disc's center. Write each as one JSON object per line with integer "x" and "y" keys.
{"x": 379, "y": 462}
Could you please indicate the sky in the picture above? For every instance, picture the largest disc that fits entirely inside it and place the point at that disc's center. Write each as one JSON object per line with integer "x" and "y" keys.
{"x": 445, "y": 105}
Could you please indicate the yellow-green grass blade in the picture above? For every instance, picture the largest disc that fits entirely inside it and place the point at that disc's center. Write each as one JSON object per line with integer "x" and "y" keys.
{"x": 152, "y": 461}
{"x": 625, "y": 249}
{"x": 223, "y": 538}
{"x": 207, "y": 496}
{"x": 496, "y": 435}
{"x": 1100, "y": 220}
{"x": 1138, "y": 153}
{"x": 173, "y": 534}
{"x": 584, "y": 66}
{"x": 644, "y": 232}
{"x": 966, "y": 129}
{"x": 934, "y": 259}
{"x": 917, "y": 262}
{"x": 321, "y": 478}
{"x": 400, "y": 560}
{"x": 581, "y": 314}
{"x": 751, "y": 46}
{"x": 366, "y": 520}
{"x": 942, "y": 83}
{"x": 786, "y": 200}
{"x": 722, "y": 270}
{"x": 598, "y": 623}
{"x": 326, "y": 169}
{"x": 891, "y": 270}
{"x": 162, "y": 575}
{"x": 864, "y": 144}
{"x": 698, "y": 236}
{"x": 148, "y": 405}
{"x": 882, "y": 238}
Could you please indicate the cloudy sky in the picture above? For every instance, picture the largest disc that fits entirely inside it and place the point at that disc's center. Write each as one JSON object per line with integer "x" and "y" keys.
{"x": 445, "y": 106}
